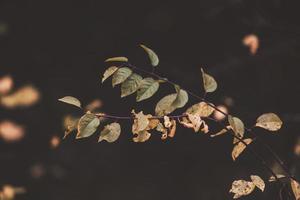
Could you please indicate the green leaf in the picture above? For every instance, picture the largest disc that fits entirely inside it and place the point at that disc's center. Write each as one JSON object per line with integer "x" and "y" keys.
{"x": 237, "y": 126}
{"x": 202, "y": 109}
{"x": 117, "y": 59}
{"x": 269, "y": 121}
{"x": 209, "y": 83}
{"x": 110, "y": 133}
{"x": 152, "y": 55}
{"x": 71, "y": 100}
{"x": 164, "y": 106}
{"x": 110, "y": 71}
{"x": 181, "y": 98}
{"x": 147, "y": 89}
{"x": 131, "y": 85}
{"x": 87, "y": 125}
{"x": 121, "y": 75}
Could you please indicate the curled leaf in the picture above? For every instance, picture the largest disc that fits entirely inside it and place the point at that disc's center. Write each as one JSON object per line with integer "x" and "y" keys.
{"x": 167, "y": 122}
{"x": 131, "y": 85}
{"x": 71, "y": 100}
{"x": 160, "y": 128}
{"x": 121, "y": 75}
{"x": 258, "y": 182}
{"x": 110, "y": 133}
{"x": 140, "y": 122}
{"x": 237, "y": 126}
{"x": 142, "y": 136}
{"x": 269, "y": 121}
{"x": 239, "y": 148}
{"x": 153, "y": 123}
{"x": 117, "y": 59}
{"x": 110, "y": 71}
{"x": 192, "y": 121}
{"x": 209, "y": 83}
{"x": 241, "y": 188}
{"x": 202, "y": 109}
{"x": 152, "y": 55}
{"x": 147, "y": 89}
{"x": 172, "y": 132}
{"x": 87, "y": 125}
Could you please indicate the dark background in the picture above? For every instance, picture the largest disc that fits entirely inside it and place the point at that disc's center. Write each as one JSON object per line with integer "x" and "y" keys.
{"x": 60, "y": 46}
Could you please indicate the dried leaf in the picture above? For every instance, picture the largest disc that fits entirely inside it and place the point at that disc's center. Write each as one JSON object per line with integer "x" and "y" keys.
{"x": 140, "y": 122}
{"x": 160, "y": 128}
{"x": 167, "y": 122}
{"x": 239, "y": 148}
{"x": 87, "y": 125}
{"x": 202, "y": 109}
{"x": 131, "y": 85}
{"x": 209, "y": 83}
{"x": 121, "y": 75}
{"x": 237, "y": 126}
{"x": 192, "y": 121}
{"x": 172, "y": 132}
{"x": 71, "y": 100}
{"x": 70, "y": 123}
{"x": 110, "y": 71}
{"x": 152, "y": 55}
{"x": 142, "y": 136}
{"x": 152, "y": 124}
{"x": 147, "y": 89}
{"x": 269, "y": 121}
{"x": 117, "y": 59}
{"x": 258, "y": 182}
{"x": 110, "y": 133}
{"x": 241, "y": 188}
{"x": 296, "y": 189}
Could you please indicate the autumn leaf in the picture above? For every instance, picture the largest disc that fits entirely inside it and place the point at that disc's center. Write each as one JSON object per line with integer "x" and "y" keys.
{"x": 167, "y": 122}
{"x": 70, "y": 123}
{"x": 192, "y": 121}
{"x": 202, "y": 109}
{"x": 131, "y": 85}
{"x": 117, "y": 59}
{"x": 110, "y": 71}
{"x": 209, "y": 83}
{"x": 87, "y": 125}
{"x": 172, "y": 131}
{"x": 241, "y": 188}
{"x": 237, "y": 126}
{"x": 152, "y": 55}
{"x": 71, "y": 100}
{"x": 269, "y": 121}
{"x": 110, "y": 133}
{"x": 239, "y": 148}
{"x": 258, "y": 182}
{"x": 295, "y": 188}
{"x": 142, "y": 136}
{"x": 140, "y": 122}
{"x": 121, "y": 75}
{"x": 152, "y": 124}
{"x": 160, "y": 128}
{"x": 147, "y": 89}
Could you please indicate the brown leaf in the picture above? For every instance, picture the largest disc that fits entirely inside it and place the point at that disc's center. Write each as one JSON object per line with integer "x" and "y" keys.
{"x": 239, "y": 148}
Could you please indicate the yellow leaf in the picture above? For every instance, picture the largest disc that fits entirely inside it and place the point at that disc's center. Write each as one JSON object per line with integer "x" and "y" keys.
{"x": 239, "y": 148}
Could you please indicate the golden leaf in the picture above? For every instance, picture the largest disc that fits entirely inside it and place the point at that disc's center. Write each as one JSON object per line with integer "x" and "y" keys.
{"x": 269, "y": 121}
{"x": 192, "y": 121}
{"x": 71, "y": 100}
{"x": 142, "y": 136}
{"x": 117, "y": 59}
{"x": 241, "y": 188}
{"x": 296, "y": 189}
{"x": 239, "y": 148}
{"x": 110, "y": 71}
{"x": 152, "y": 55}
{"x": 258, "y": 182}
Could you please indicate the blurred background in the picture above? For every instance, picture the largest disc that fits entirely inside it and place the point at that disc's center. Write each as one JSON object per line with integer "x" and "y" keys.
{"x": 51, "y": 49}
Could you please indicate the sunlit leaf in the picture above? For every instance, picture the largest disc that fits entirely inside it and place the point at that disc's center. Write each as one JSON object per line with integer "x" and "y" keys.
{"x": 131, "y": 85}
{"x": 241, "y": 188}
{"x": 152, "y": 55}
{"x": 71, "y": 100}
{"x": 209, "y": 83}
{"x": 87, "y": 125}
{"x": 117, "y": 59}
{"x": 140, "y": 122}
{"x": 110, "y": 133}
{"x": 295, "y": 188}
{"x": 110, "y": 71}
{"x": 142, "y": 136}
{"x": 237, "y": 126}
{"x": 258, "y": 182}
{"x": 121, "y": 75}
{"x": 239, "y": 148}
{"x": 148, "y": 88}
{"x": 202, "y": 109}
{"x": 269, "y": 121}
